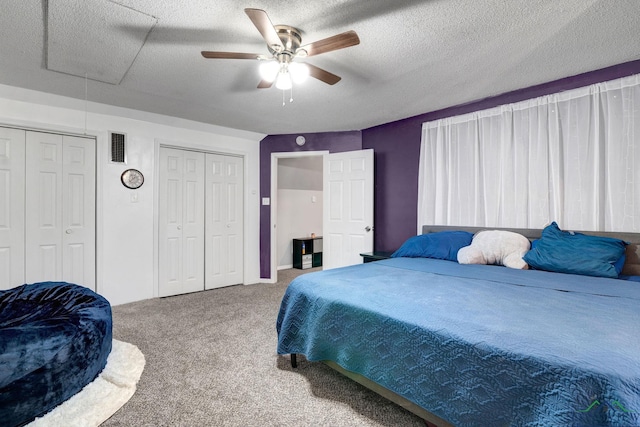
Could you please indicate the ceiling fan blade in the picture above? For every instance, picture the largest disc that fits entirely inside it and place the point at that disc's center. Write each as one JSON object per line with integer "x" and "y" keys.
{"x": 264, "y": 84}
{"x": 339, "y": 41}
{"x": 323, "y": 75}
{"x": 262, "y": 22}
{"x": 230, "y": 55}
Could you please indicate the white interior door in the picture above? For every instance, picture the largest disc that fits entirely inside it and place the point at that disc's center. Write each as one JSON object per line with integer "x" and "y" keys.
{"x": 224, "y": 221}
{"x": 181, "y": 219}
{"x": 78, "y": 211}
{"x": 12, "y": 192}
{"x": 348, "y": 207}
{"x": 60, "y": 209}
{"x": 44, "y": 207}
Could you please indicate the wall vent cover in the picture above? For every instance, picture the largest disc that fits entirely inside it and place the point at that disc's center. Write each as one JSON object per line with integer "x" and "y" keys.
{"x": 117, "y": 147}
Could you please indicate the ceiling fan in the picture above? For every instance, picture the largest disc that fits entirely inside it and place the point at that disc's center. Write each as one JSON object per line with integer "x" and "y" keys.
{"x": 284, "y": 45}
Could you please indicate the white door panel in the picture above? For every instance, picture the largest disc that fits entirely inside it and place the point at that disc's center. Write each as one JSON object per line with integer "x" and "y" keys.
{"x": 170, "y": 220}
{"x": 193, "y": 221}
{"x": 201, "y": 224}
{"x": 78, "y": 211}
{"x": 12, "y": 193}
{"x": 60, "y": 209}
{"x": 181, "y": 219}
{"x": 348, "y": 207}
{"x": 43, "y": 213}
{"x": 51, "y": 179}
{"x": 224, "y": 221}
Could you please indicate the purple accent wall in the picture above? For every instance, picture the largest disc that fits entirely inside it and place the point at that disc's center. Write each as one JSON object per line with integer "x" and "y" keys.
{"x": 395, "y": 210}
{"x": 333, "y": 142}
{"x": 397, "y": 149}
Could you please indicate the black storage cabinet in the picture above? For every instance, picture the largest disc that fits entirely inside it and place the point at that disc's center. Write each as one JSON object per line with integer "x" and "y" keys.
{"x": 311, "y": 256}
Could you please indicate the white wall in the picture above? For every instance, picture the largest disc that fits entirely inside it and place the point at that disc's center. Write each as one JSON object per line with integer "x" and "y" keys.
{"x": 126, "y": 243}
{"x": 298, "y": 216}
{"x": 299, "y": 206}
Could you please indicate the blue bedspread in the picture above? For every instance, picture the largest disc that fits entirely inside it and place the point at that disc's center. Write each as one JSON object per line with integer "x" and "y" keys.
{"x": 476, "y": 345}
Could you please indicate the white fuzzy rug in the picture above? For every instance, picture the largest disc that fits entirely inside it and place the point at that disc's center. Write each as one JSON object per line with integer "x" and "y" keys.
{"x": 100, "y": 399}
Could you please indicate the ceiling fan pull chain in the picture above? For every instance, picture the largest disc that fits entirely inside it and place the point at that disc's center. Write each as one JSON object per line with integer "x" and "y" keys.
{"x": 283, "y": 103}
{"x": 291, "y": 96}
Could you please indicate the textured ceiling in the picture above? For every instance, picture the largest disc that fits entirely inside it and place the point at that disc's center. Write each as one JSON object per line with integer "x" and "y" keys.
{"x": 413, "y": 57}
{"x": 95, "y": 48}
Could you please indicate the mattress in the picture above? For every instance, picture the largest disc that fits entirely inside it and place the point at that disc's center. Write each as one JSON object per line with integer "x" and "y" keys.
{"x": 476, "y": 345}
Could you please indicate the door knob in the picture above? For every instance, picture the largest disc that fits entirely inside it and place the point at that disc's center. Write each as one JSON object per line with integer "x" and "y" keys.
{"x": 228, "y": 225}
{"x": 68, "y": 231}
{"x": 367, "y": 229}
{"x": 179, "y": 227}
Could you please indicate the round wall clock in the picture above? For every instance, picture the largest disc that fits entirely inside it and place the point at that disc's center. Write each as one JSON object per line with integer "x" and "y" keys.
{"x": 300, "y": 140}
{"x": 132, "y": 178}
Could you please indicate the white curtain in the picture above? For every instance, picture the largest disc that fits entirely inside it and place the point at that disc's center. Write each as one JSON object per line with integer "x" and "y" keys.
{"x": 572, "y": 157}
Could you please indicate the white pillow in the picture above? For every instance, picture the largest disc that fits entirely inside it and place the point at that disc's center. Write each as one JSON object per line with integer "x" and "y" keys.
{"x": 496, "y": 247}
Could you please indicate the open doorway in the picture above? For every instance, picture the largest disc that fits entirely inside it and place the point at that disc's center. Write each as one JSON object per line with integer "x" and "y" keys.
{"x": 299, "y": 205}
{"x": 296, "y": 203}
{"x": 347, "y": 199}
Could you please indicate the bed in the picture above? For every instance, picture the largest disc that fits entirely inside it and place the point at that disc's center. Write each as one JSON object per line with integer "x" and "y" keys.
{"x": 477, "y": 345}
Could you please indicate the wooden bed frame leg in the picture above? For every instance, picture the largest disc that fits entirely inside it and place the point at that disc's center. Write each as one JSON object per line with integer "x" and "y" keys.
{"x": 294, "y": 360}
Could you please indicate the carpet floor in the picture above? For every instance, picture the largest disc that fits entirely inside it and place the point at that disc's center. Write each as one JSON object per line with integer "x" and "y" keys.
{"x": 103, "y": 396}
{"x": 211, "y": 361}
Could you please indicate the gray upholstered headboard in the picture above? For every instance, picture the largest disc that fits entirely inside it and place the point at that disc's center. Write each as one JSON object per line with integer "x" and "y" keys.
{"x": 631, "y": 265}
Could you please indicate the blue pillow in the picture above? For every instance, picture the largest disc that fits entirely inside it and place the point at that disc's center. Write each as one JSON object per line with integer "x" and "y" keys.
{"x": 440, "y": 245}
{"x": 619, "y": 264}
{"x": 576, "y": 253}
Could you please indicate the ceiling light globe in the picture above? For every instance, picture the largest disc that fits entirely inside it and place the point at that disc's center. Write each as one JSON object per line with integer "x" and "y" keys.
{"x": 299, "y": 72}
{"x": 283, "y": 81}
{"x": 269, "y": 70}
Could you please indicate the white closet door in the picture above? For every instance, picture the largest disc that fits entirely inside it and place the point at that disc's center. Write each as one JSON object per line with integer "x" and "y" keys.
{"x": 78, "y": 211}
{"x": 224, "y": 221}
{"x": 44, "y": 207}
{"x": 12, "y": 190}
{"x": 181, "y": 219}
{"x": 60, "y": 209}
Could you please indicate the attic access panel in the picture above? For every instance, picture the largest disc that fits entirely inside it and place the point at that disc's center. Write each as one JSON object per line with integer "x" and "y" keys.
{"x": 96, "y": 37}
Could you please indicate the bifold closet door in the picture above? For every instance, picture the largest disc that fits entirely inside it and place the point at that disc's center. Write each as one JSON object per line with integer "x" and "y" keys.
{"x": 224, "y": 221}
{"x": 181, "y": 221}
{"x": 60, "y": 209}
{"x": 47, "y": 216}
{"x": 12, "y": 191}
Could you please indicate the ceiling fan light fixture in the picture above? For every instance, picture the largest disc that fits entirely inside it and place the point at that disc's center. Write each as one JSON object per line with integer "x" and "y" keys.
{"x": 299, "y": 72}
{"x": 269, "y": 70}
{"x": 284, "y": 44}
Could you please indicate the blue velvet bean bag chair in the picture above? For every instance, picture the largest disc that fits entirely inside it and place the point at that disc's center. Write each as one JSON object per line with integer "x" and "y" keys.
{"x": 55, "y": 338}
